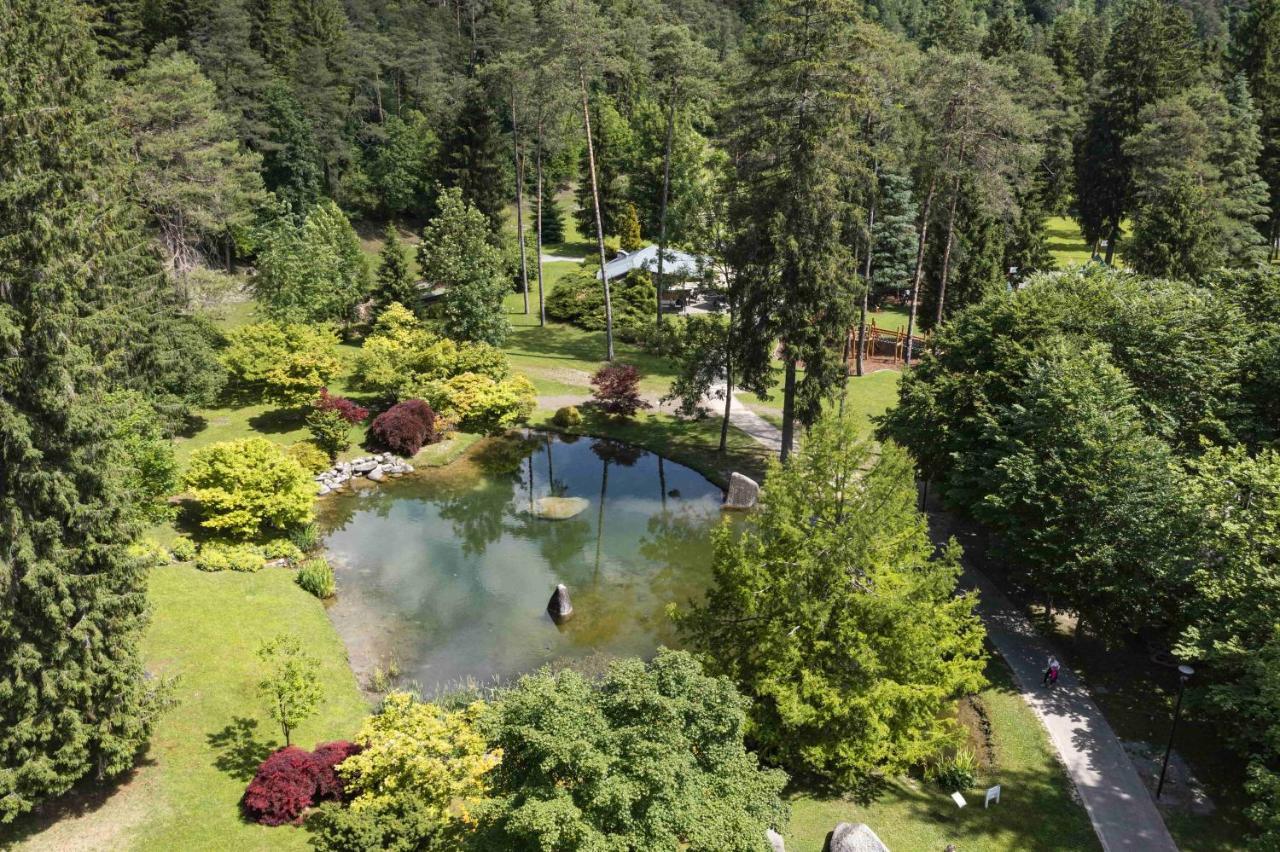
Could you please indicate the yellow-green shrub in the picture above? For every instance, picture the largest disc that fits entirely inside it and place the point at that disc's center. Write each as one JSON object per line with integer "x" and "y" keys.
{"x": 402, "y": 354}
{"x": 480, "y": 404}
{"x": 184, "y": 549}
{"x": 216, "y": 556}
{"x": 567, "y": 417}
{"x": 312, "y": 458}
{"x": 316, "y": 576}
{"x": 248, "y": 487}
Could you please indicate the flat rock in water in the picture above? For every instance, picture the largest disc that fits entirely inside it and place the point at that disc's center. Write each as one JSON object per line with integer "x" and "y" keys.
{"x": 559, "y": 508}
{"x": 855, "y": 838}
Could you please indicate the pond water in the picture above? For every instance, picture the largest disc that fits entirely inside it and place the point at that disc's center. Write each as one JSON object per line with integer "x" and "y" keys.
{"x": 448, "y": 571}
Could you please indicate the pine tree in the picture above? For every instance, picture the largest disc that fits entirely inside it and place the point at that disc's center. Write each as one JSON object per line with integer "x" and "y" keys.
{"x": 951, "y": 26}
{"x": 613, "y": 154}
{"x": 73, "y": 697}
{"x": 895, "y": 250}
{"x": 394, "y": 280}
{"x": 474, "y": 159}
{"x": 629, "y": 229}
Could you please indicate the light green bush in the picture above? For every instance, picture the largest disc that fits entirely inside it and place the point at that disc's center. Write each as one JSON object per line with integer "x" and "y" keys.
{"x": 248, "y": 487}
{"x": 479, "y": 404}
{"x": 316, "y": 577}
{"x": 184, "y": 549}
{"x": 286, "y": 364}
{"x": 282, "y": 548}
{"x": 217, "y": 556}
{"x": 567, "y": 417}
{"x": 150, "y": 551}
{"x": 312, "y": 458}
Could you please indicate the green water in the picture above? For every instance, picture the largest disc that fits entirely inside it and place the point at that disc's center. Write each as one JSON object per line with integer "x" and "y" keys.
{"x": 448, "y": 572}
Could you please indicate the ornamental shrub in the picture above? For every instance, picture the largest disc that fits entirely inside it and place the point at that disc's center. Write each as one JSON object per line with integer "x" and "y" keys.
{"x": 306, "y": 537}
{"x": 316, "y": 576}
{"x": 281, "y": 548}
{"x": 567, "y": 417}
{"x": 330, "y": 420}
{"x": 405, "y": 427}
{"x": 292, "y": 780}
{"x": 481, "y": 405}
{"x": 616, "y": 388}
{"x": 286, "y": 364}
{"x": 578, "y": 298}
{"x": 312, "y": 458}
{"x": 283, "y": 787}
{"x": 216, "y": 556}
{"x": 248, "y": 487}
{"x": 184, "y": 549}
{"x": 326, "y": 757}
{"x": 401, "y": 354}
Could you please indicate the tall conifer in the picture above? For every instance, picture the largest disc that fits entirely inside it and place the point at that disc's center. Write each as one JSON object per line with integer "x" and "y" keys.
{"x": 73, "y": 698}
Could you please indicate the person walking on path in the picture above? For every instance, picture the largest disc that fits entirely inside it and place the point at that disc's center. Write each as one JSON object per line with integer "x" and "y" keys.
{"x": 1051, "y": 673}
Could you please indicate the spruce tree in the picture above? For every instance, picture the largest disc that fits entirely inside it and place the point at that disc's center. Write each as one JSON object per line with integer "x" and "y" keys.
{"x": 290, "y": 159}
{"x": 1152, "y": 55}
{"x": 1246, "y": 195}
{"x": 474, "y": 156}
{"x": 895, "y": 249}
{"x": 222, "y": 44}
{"x": 1257, "y": 54}
{"x": 394, "y": 281}
{"x": 73, "y": 697}
{"x": 552, "y": 217}
{"x": 613, "y": 153}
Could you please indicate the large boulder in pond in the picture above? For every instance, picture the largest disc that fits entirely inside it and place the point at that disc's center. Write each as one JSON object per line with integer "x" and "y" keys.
{"x": 743, "y": 492}
{"x": 559, "y": 508}
{"x": 560, "y": 607}
{"x": 855, "y": 838}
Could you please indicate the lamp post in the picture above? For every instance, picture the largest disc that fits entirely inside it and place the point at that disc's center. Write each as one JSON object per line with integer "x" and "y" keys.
{"x": 1184, "y": 674}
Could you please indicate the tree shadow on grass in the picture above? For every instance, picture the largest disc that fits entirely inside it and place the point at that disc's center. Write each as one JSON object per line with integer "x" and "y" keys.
{"x": 85, "y": 798}
{"x": 241, "y": 751}
{"x": 277, "y": 421}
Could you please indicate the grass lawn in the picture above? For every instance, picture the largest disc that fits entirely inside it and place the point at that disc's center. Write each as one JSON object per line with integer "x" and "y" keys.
{"x": 868, "y": 396}
{"x": 205, "y": 629}
{"x": 1037, "y": 810}
{"x": 1066, "y": 243}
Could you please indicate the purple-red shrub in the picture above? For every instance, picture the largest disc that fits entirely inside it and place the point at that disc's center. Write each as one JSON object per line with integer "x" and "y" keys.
{"x": 617, "y": 390}
{"x": 283, "y": 787}
{"x": 292, "y": 780}
{"x": 326, "y": 758}
{"x": 345, "y": 408}
{"x": 404, "y": 427}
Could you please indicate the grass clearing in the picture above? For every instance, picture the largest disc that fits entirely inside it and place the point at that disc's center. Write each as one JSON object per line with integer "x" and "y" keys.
{"x": 1067, "y": 245}
{"x": 1037, "y": 809}
{"x": 205, "y": 629}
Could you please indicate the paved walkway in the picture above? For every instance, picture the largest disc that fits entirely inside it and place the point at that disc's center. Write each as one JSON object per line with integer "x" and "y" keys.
{"x": 1122, "y": 811}
{"x": 747, "y": 420}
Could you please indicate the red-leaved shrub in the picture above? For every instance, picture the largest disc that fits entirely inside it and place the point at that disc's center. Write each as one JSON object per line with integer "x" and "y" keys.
{"x": 284, "y": 787}
{"x": 327, "y": 756}
{"x": 292, "y": 780}
{"x": 345, "y": 408}
{"x": 404, "y": 427}
{"x": 617, "y": 390}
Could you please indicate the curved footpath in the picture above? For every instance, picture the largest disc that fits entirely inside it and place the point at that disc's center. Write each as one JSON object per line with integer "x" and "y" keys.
{"x": 1122, "y": 811}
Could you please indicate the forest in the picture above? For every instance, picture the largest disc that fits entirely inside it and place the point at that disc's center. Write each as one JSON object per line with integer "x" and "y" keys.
{"x": 393, "y": 188}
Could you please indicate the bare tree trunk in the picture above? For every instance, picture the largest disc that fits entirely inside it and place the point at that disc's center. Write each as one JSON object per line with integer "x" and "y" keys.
{"x": 788, "y": 408}
{"x": 542, "y": 307}
{"x": 919, "y": 274}
{"x": 728, "y": 384}
{"x": 866, "y": 278}
{"x": 1111, "y": 244}
{"x": 946, "y": 257}
{"x": 595, "y": 199}
{"x": 377, "y": 91}
{"x": 524, "y": 262}
{"x": 662, "y": 214}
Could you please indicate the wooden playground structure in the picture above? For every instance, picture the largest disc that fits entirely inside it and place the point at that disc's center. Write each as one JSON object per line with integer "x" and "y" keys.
{"x": 884, "y": 345}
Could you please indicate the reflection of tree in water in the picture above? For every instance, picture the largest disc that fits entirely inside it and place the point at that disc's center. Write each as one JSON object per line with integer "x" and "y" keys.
{"x": 478, "y": 512}
{"x": 506, "y": 454}
{"x": 610, "y": 452}
{"x": 336, "y": 511}
{"x": 678, "y": 544}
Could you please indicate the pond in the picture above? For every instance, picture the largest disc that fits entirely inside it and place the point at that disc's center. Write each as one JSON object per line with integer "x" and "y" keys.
{"x": 448, "y": 572}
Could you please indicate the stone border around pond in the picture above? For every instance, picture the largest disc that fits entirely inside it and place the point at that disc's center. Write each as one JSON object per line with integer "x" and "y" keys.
{"x": 374, "y": 468}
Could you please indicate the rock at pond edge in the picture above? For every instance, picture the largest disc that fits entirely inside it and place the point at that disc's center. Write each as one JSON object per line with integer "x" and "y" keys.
{"x": 743, "y": 492}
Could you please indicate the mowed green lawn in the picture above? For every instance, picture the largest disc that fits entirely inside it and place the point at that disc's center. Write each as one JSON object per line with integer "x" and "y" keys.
{"x": 1036, "y": 810}
{"x": 1066, "y": 243}
{"x": 205, "y": 630}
